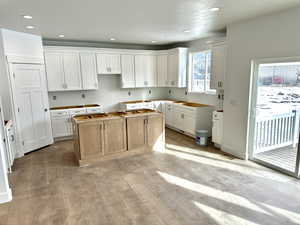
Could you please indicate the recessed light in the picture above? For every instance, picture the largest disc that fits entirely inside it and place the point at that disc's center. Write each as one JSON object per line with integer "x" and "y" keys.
{"x": 153, "y": 41}
{"x": 186, "y": 31}
{"x": 27, "y": 17}
{"x": 30, "y": 27}
{"x": 61, "y": 35}
{"x": 112, "y": 39}
{"x": 215, "y": 9}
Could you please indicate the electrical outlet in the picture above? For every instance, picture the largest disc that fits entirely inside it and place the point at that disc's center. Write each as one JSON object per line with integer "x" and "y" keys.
{"x": 54, "y": 97}
{"x": 150, "y": 92}
{"x": 129, "y": 93}
{"x": 185, "y": 92}
{"x": 82, "y": 95}
{"x": 170, "y": 91}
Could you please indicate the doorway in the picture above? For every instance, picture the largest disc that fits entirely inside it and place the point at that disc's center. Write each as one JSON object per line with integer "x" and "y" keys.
{"x": 275, "y": 114}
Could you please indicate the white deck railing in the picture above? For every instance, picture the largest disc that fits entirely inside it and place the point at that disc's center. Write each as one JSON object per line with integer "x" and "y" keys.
{"x": 276, "y": 131}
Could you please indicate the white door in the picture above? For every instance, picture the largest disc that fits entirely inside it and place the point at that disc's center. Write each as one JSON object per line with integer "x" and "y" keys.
{"x": 218, "y": 67}
{"x": 109, "y": 63}
{"x": 55, "y": 71}
{"x": 128, "y": 75}
{"x": 31, "y": 105}
{"x": 162, "y": 70}
{"x": 89, "y": 71}
{"x": 72, "y": 71}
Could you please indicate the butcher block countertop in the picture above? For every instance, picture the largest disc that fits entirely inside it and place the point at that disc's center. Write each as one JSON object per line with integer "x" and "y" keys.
{"x": 74, "y": 106}
{"x": 185, "y": 103}
{"x": 112, "y": 115}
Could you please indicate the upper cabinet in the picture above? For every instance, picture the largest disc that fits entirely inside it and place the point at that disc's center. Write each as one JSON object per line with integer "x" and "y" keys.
{"x": 88, "y": 71}
{"x": 145, "y": 71}
{"x": 109, "y": 63}
{"x": 162, "y": 70}
{"x": 218, "y": 66}
{"x": 177, "y": 67}
{"x": 71, "y": 70}
{"x": 128, "y": 73}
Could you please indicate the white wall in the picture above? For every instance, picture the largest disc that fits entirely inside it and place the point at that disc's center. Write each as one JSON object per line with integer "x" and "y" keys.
{"x": 108, "y": 95}
{"x": 270, "y": 36}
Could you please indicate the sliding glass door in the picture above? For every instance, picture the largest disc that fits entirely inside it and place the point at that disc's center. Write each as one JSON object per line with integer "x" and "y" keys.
{"x": 275, "y": 114}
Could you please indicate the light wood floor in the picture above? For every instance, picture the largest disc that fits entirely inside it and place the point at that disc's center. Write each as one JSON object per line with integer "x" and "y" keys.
{"x": 185, "y": 185}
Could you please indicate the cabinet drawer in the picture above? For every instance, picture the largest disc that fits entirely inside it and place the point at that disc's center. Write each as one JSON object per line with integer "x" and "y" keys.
{"x": 77, "y": 111}
{"x": 55, "y": 113}
{"x": 94, "y": 110}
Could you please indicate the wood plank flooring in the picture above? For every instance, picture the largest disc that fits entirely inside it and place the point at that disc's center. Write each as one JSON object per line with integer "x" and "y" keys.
{"x": 185, "y": 185}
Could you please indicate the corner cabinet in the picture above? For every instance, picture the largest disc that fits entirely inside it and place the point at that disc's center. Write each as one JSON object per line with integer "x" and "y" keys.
{"x": 218, "y": 66}
{"x": 70, "y": 71}
{"x": 108, "y": 63}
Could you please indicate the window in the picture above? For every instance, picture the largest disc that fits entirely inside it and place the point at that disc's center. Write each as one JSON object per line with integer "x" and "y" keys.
{"x": 200, "y": 72}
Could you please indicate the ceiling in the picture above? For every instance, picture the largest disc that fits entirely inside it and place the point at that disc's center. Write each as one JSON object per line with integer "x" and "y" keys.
{"x": 131, "y": 21}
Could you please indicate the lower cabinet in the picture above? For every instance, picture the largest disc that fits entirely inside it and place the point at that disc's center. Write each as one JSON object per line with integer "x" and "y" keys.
{"x": 61, "y": 126}
{"x": 91, "y": 139}
{"x": 155, "y": 131}
{"x": 136, "y": 132}
{"x": 114, "y": 134}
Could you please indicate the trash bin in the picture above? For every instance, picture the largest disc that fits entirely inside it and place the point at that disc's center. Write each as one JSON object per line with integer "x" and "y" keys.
{"x": 202, "y": 137}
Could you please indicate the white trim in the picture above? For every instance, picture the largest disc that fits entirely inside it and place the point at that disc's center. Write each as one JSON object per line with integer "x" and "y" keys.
{"x": 24, "y": 59}
{"x": 5, "y": 196}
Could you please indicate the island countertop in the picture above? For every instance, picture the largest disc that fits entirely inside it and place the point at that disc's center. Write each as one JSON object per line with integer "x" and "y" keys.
{"x": 112, "y": 115}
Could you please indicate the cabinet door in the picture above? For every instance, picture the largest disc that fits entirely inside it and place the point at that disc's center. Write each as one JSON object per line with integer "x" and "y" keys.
{"x": 218, "y": 67}
{"x": 151, "y": 71}
{"x": 72, "y": 71}
{"x": 169, "y": 114}
{"x": 162, "y": 71}
{"x": 54, "y": 71}
{"x": 173, "y": 69}
{"x": 136, "y": 132}
{"x": 114, "y": 136}
{"x": 140, "y": 71}
{"x": 88, "y": 71}
{"x": 60, "y": 126}
{"x": 189, "y": 123}
{"x": 178, "y": 117}
{"x": 108, "y": 63}
{"x": 128, "y": 75}
{"x": 155, "y": 131}
{"x": 91, "y": 139}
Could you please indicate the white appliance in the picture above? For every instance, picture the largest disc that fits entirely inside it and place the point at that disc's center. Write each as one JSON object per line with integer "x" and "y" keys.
{"x": 217, "y": 128}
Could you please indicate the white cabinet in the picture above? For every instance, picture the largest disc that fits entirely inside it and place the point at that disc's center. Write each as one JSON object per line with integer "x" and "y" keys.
{"x": 62, "y": 119}
{"x": 108, "y": 63}
{"x": 217, "y": 128}
{"x": 145, "y": 71}
{"x": 72, "y": 73}
{"x": 169, "y": 114}
{"x": 128, "y": 73}
{"x": 70, "y": 70}
{"x": 88, "y": 71}
{"x": 61, "y": 125}
{"x": 162, "y": 70}
{"x": 177, "y": 67}
{"x": 55, "y": 71}
{"x": 218, "y": 66}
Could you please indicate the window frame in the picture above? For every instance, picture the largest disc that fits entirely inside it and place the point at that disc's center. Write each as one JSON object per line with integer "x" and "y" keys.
{"x": 207, "y": 91}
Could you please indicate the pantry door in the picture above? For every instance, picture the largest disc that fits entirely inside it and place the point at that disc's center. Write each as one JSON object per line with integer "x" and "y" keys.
{"x": 31, "y": 106}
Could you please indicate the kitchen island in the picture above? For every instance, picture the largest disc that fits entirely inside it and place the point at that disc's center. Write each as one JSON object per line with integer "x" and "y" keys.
{"x": 105, "y": 136}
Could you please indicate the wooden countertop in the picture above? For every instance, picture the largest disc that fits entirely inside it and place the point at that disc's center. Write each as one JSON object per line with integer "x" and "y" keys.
{"x": 74, "y": 106}
{"x": 112, "y": 115}
{"x": 185, "y": 103}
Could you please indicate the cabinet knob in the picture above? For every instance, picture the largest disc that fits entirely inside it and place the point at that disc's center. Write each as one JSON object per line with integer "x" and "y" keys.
{"x": 46, "y": 110}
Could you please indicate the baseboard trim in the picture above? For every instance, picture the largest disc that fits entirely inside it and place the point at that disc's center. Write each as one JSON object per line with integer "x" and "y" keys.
{"x": 5, "y": 196}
